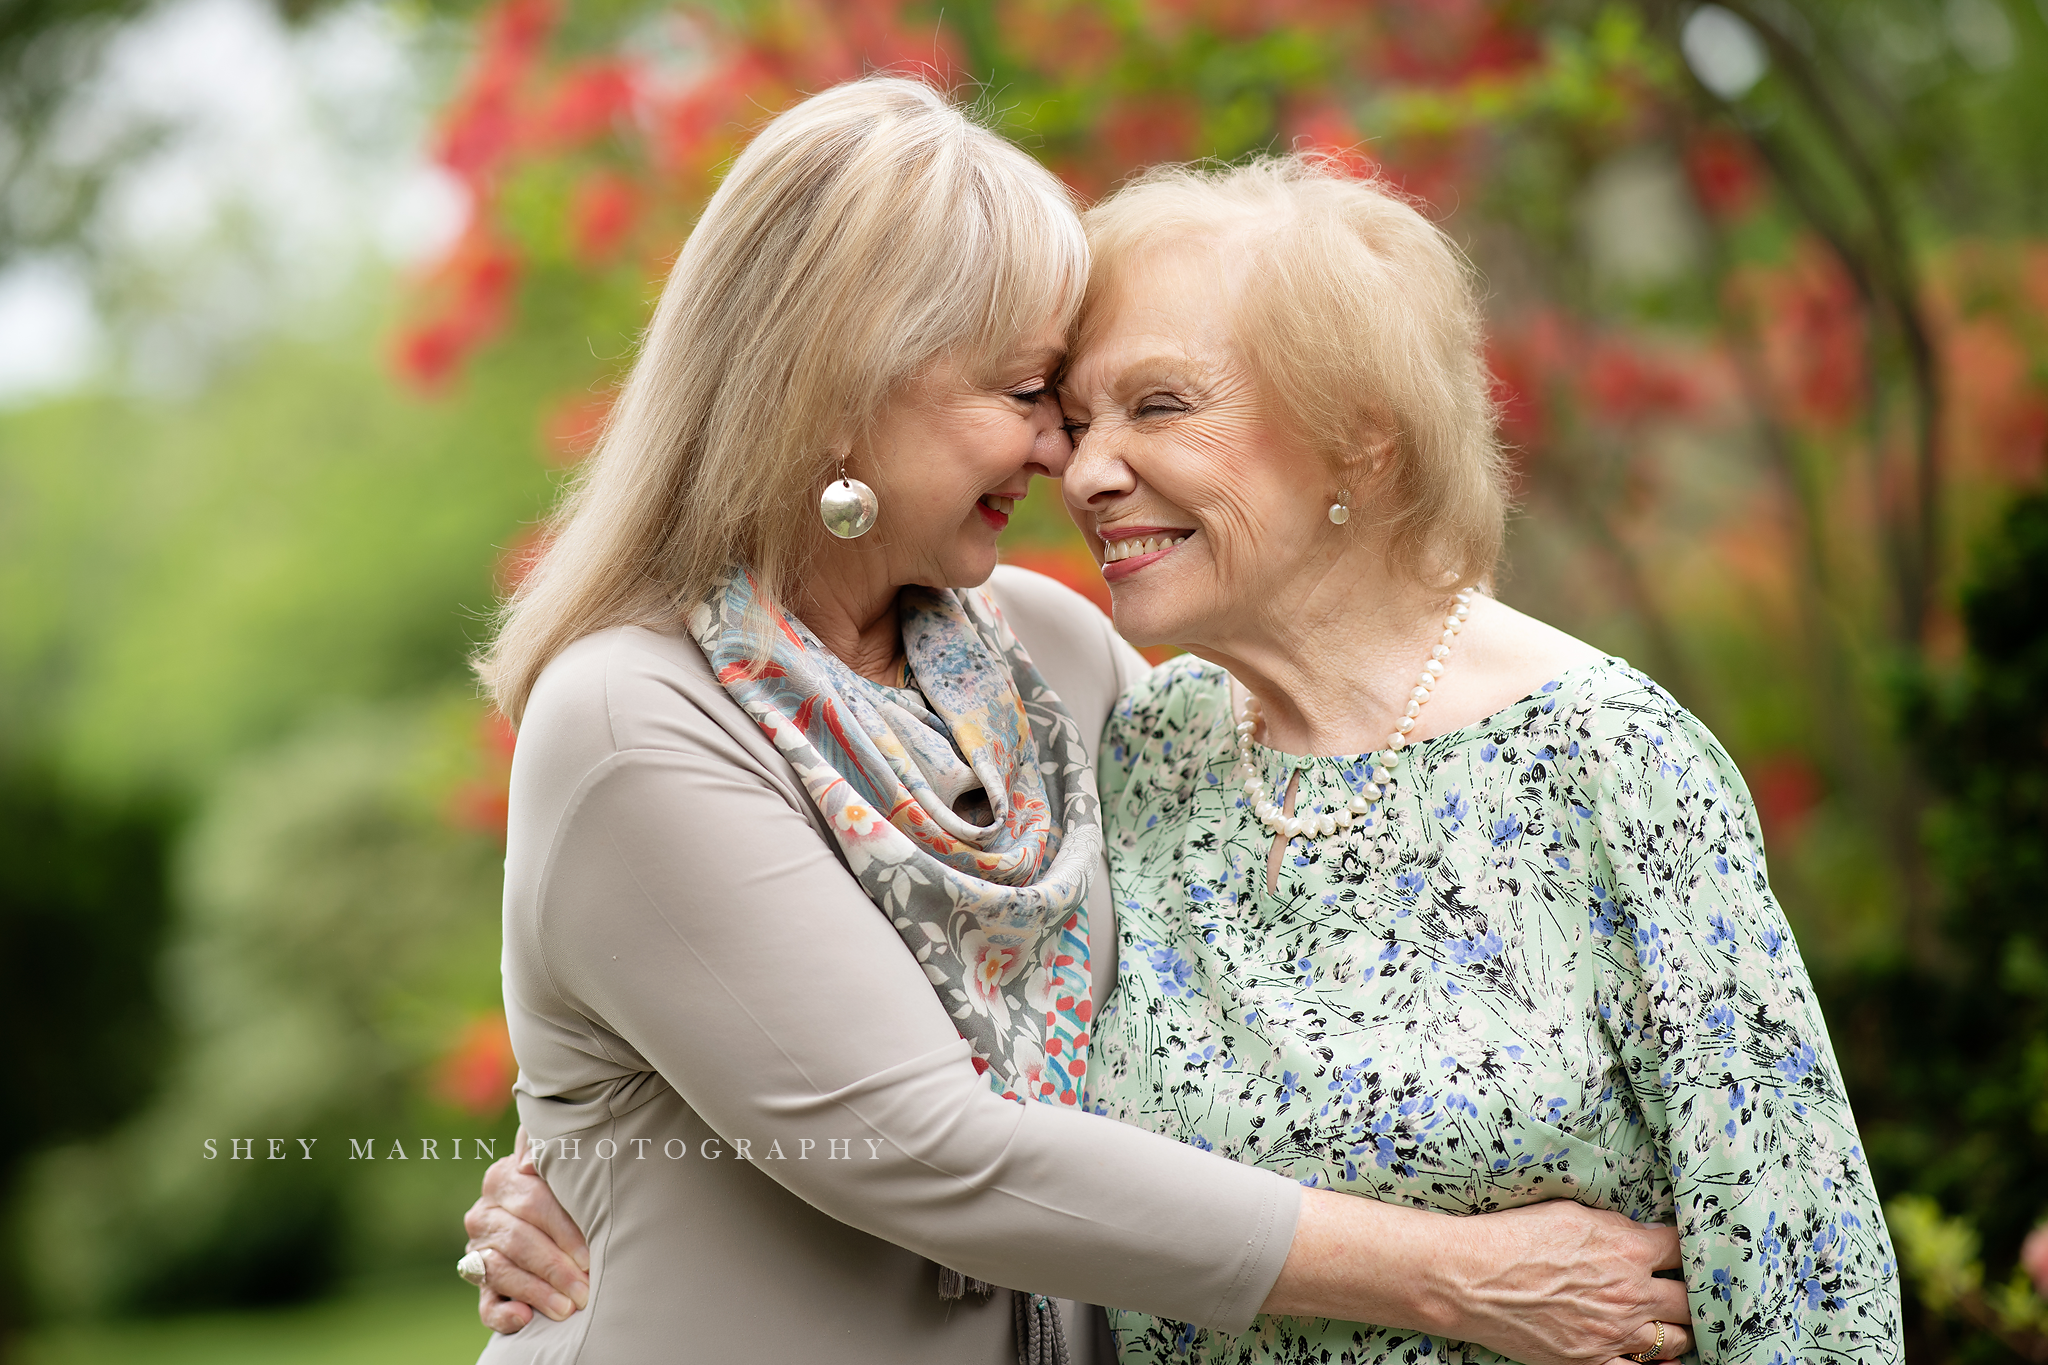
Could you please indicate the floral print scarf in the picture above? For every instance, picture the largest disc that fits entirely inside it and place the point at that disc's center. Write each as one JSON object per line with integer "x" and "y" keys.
{"x": 965, "y": 807}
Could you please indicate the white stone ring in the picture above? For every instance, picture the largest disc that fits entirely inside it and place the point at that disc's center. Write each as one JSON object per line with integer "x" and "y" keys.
{"x": 471, "y": 1267}
{"x": 1654, "y": 1353}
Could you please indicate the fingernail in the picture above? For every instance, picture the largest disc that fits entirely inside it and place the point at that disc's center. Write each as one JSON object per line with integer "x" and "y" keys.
{"x": 581, "y": 1256}
{"x": 559, "y": 1307}
{"x": 580, "y": 1291}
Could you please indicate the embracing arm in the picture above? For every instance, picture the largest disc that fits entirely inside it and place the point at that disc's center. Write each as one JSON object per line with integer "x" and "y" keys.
{"x": 1550, "y": 1284}
{"x": 690, "y": 907}
{"x": 693, "y": 911}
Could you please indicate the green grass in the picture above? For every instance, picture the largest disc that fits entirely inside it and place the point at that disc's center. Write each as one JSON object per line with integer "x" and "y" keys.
{"x": 410, "y": 1327}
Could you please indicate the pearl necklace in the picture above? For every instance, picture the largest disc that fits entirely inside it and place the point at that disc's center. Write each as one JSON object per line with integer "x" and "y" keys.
{"x": 1379, "y": 776}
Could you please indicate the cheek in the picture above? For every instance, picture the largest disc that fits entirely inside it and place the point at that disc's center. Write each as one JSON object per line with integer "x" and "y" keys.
{"x": 932, "y": 492}
{"x": 1241, "y": 512}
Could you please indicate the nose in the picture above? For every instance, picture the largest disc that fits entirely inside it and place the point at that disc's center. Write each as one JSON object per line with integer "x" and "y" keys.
{"x": 1095, "y": 476}
{"x": 1050, "y": 446}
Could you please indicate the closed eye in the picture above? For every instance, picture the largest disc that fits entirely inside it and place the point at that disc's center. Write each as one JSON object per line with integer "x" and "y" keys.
{"x": 1159, "y": 405}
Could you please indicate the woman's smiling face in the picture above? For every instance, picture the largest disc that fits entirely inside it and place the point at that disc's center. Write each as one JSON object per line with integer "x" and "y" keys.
{"x": 1208, "y": 518}
{"x": 951, "y": 455}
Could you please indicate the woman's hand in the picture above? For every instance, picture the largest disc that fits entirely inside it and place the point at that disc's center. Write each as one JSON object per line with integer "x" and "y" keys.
{"x": 1551, "y": 1284}
{"x": 534, "y": 1254}
{"x": 1561, "y": 1284}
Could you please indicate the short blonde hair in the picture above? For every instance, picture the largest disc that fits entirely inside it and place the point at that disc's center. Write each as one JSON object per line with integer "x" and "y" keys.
{"x": 862, "y": 236}
{"x": 1358, "y": 317}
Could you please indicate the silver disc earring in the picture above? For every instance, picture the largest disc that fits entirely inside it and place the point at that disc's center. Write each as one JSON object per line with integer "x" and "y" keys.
{"x": 1340, "y": 510}
{"x": 848, "y": 507}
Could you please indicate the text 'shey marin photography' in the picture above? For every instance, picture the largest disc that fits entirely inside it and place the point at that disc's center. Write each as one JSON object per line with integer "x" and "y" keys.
{"x": 559, "y": 1149}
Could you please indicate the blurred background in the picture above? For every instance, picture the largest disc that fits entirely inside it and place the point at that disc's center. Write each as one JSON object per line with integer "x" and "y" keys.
{"x": 308, "y": 308}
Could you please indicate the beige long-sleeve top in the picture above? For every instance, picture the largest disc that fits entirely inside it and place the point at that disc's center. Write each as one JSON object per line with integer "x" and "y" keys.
{"x": 752, "y": 1101}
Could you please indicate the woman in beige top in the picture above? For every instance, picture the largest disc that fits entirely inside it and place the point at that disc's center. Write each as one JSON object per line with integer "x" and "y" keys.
{"x": 770, "y": 1107}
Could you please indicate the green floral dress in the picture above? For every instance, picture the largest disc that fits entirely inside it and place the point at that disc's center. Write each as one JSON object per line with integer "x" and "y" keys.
{"x": 1549, "y": 966}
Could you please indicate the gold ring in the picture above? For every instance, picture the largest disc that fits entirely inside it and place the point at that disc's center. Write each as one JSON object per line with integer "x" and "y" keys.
{"x": 1655, "y": 1352}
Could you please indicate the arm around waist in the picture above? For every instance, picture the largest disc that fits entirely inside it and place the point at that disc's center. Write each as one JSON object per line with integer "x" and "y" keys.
{"x": 688, "y": 907}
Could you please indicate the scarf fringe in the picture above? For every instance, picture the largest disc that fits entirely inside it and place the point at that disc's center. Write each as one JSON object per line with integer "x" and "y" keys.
{"x": 1041, "y": 1336}
{"x": 954, "y": 1285}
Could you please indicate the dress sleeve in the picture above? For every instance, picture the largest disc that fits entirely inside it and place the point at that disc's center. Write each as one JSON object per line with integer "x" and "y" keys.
{"x": 1706, "y": 999}
{"x": 702, "y": 919}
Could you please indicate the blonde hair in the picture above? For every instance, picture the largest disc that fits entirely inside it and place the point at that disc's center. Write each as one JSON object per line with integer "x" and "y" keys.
{"x": 1359, "y": 318}
{"x": 863, "y": 235}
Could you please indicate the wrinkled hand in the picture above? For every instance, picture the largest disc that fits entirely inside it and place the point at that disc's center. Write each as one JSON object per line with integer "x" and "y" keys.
{"x": 1561, "y": 1284}
{"x": 534, "y": 1254}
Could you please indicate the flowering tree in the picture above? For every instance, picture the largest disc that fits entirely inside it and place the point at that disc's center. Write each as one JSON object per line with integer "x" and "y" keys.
{"x": 1767, "y": 323}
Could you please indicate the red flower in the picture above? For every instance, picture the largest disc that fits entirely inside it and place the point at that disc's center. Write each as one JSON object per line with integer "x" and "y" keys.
{"x": 482, "y": 125}
{"x": 428, "y": 354}
{"x": 1324, "y": 127}
{"x": 586, "y": 104}
{"x": 473, "y": 289}
{"x": 683, "y": 130}
{"x": 1810, "y": 321}
{"x": 1724, "y": 173}
{"x": 1627, "y": 386}
{"x": 1142, "y": 129}
{"x": 601, "y": 215}
{"x": 518, "y": 559}
{"x": 481, "y": 802}
{"x": 1786, "y": 789}
{"x": 1526, "y": 358}
{"x": 477, "y": 1071}
{"x": 1999, "y": 419}
{"x": 572, "y": 429}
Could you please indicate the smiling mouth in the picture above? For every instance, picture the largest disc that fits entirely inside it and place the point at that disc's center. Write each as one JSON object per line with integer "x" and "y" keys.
{"x": 994, "y": 510}
{"x": 1116, "y": 551}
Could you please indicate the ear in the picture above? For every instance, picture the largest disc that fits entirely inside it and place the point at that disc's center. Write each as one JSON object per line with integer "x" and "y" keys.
{"x": 1370, "y": 457}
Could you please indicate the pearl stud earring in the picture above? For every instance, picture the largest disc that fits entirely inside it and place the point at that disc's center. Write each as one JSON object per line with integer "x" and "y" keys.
{"x": 1340, "y": 510}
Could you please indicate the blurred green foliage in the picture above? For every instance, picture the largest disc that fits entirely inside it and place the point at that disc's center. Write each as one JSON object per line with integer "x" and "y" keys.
{"x": 379, "y": 1327}
{"x": 1968, "y": 1030}
{"x": 84, "y": 908}
{"x": 252, "y": 608}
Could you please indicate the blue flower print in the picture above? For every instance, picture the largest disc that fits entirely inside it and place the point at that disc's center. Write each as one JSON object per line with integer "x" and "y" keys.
{"x": 1601, "y": 913}
{"x": 1175, "y": 973}
{"x": 1799, "y": 1065}
{"x": 1467, "y": 952}
{"x": 1454, "y": 811}
{"x": 1721, "y": 934}
{"x": 1290, "y": 1086}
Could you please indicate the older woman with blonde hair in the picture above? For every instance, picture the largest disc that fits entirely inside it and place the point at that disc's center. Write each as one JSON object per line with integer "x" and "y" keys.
{"x": 1420, "y": 899}
{"x": 801, "y": 866}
